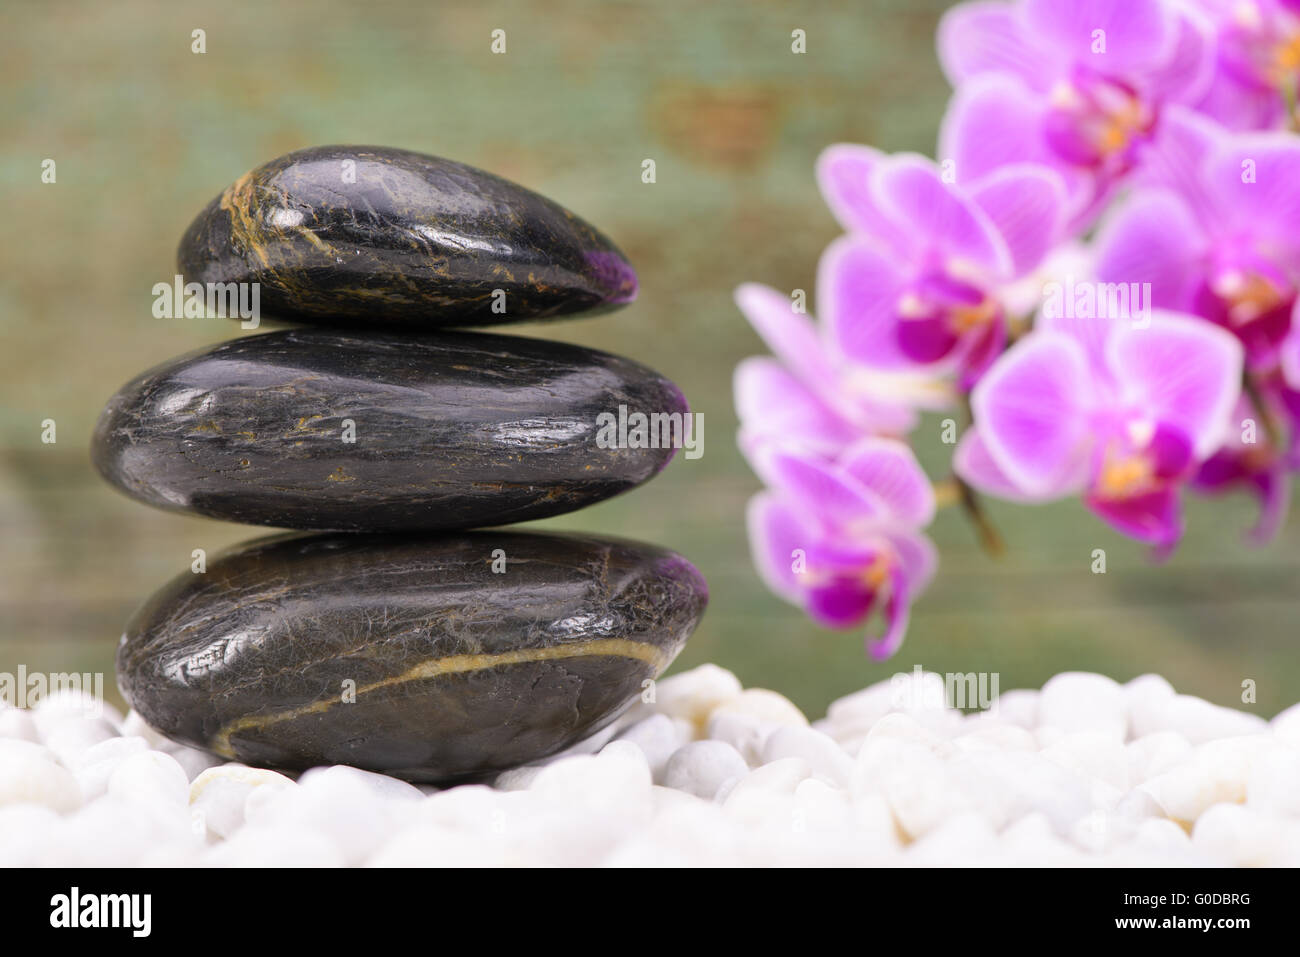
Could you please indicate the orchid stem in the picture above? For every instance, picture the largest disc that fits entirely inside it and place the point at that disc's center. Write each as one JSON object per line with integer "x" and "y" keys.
{"x": 1271, "y": 429}
{"x": 946, "y": 493}
{"x": 989, "y": 538}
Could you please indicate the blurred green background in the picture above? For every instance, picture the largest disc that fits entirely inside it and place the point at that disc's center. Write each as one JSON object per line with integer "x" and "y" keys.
{"x": 144, "y": 132}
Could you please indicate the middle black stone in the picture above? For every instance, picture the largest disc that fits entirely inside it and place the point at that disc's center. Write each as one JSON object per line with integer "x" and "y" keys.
{"x": 322, "y": 430}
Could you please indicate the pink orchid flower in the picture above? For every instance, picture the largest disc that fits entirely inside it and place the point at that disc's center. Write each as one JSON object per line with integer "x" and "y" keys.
{"x": 1077, "y": 85}
{"x": 915, "y": 286}
{"x": 1256, "y": 463}
{"x": 840, "y": 539}
{"x": 1214, "y": 231}
{"x": 808, "y": 395}
{"x": 1258, "y": 61}
{"x": 1119, "y": 413}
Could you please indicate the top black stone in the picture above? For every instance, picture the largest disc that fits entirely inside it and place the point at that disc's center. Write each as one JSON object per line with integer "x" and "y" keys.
{"x": 370, "y": 236}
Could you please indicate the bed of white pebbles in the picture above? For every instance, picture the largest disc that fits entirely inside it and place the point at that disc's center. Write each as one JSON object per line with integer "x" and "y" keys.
{"x": 1085, "y": 771}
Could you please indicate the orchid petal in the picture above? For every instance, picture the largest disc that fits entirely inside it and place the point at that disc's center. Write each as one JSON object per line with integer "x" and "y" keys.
{"x": 1154, "y": 238}
{"x": 773, "y": 404}
{"x": 792, "y": 336}
{"x": 1186, "y": 74}
{"x": 1256, "y": 180}
{"x": 1182, "y": 371}
{"x": 1027, "y": 204}
{"x": 1176, "y": 157}
{"x": 1139, "y": 35}
{"x": 889, "y": 469}
{"x": 897, "y": 612}
{"x": 1030, "y": 408}
{"x": 844, "y": 173}
{"x": 994, "y": 121}
{"x": 839, "y": 603}
{"x": 1240, "y": 104}
{"x": 1154, "y": 518}
{"x": 910, "y": 190}
{"x": 1274, "y": 488}
{"x": 975, "y": 38}
{"x": 973, "y": 463}
{"x": 917, "y": 556}
{"x": 983, "y": 353}
{"x": 776, "y": 531}
{"x": 858, "y": 290}
{"x": 833, "y": 497}
{"x": 1290, "y": 351}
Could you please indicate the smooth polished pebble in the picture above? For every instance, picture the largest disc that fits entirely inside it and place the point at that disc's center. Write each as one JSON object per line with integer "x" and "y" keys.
{"x": 371, "y": 236}
{"x": 410, "y": 655}
{"x": 319, "y": 430}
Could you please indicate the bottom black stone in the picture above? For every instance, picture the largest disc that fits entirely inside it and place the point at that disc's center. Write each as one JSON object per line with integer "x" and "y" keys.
{"x": 432, "y": 658}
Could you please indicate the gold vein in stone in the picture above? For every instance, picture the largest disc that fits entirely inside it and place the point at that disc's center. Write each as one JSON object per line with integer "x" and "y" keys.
{"x": 453, "y": 664}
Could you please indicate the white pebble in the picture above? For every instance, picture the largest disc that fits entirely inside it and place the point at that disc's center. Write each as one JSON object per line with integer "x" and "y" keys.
{"x": 744, "y": 732}
{"x": 1079, "y": 701}
{"x": 70, "y": 705}
{"x": 1273, "y": 783}
{"x": 25, "y": 834}
{"x": 1217, "y": 772}
{"x": 95, "y": 765}
{"x": 964, "y": 839}
{"x": 150, "y": 777}
{"x": 827, "y": 760}
{"x": 1161, "y": 834}
{"x": 1094, "y": 754}
{"x": 917, "y": 785}
{"x": 822, "y": 808}
{"x": 518, "y": 779}
{"x": 1155, "y": 753}
{"x": 1007, "y": 786}
{"x": 702, "y": 767}
{"x": 899, "y": 726}
{"x": 30, "y": 774}
{"x": 256, "y": 846}
{"x": 1018, "y": 706}
{"x": 113, "y": 831}
{"x": 133, "y": 724}
{"x": 69, "y": 739}
{"x": 192, "y": 761}
{"x": 16, "y": 724}
{"x": 434, "y": 846}
{"x": 658, "y": 737}
{"x": 996, "y": 737}
{"x": 764, "y": 705}
{"x": 778, "y": 777}
{"x": 1144, "y": 700}
{"x": 1200, "y": 721}
{"x": 1285, "y": 725}
{"x": 1241, "y": 837}
{"x": 612, "y": 780}
{"x": 218, "y": 795}
{"x": 693, "y": 695}
{"x": 354, "y": 811}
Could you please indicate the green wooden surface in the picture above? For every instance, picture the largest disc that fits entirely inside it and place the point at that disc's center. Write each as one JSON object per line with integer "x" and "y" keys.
{"x": 145, "y": 132}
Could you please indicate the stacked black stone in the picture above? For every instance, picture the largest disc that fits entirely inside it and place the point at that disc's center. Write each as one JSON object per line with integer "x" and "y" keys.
{"x": 396, "y": 641}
